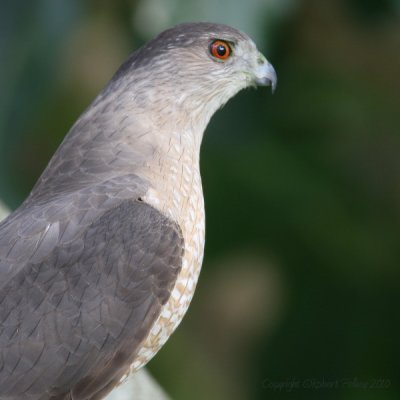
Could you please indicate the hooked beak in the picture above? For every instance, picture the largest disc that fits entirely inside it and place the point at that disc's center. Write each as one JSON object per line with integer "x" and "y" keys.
{"x": 265, "y": 74}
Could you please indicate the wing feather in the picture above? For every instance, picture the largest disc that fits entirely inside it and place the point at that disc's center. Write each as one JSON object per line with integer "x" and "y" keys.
{"x": 80, "y": 289}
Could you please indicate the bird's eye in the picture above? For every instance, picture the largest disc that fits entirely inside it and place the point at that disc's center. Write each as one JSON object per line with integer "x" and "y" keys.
{"x": 220, "y": 50}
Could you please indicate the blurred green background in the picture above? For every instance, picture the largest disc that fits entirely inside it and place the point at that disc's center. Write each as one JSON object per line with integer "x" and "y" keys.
{"x": 299, "y": 293}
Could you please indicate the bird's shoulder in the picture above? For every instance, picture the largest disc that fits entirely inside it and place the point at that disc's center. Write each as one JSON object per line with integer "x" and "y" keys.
{"x": 41, "y": 223}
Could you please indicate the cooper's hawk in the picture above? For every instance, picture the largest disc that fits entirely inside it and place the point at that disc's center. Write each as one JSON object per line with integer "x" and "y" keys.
{"x": 99, "y": 264}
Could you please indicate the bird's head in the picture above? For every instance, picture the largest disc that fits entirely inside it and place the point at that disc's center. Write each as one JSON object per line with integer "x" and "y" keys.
{"x": 215, "y": 54}
{"x": 195, "y": 68}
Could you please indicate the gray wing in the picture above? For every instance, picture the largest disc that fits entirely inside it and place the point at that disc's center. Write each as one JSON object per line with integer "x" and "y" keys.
{"x": 79, "y": 291}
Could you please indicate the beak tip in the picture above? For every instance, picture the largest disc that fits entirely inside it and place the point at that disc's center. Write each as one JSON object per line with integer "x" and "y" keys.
{"x": 273, "y": 85}
{"x": 266, "y": 76}
{"x": 273, "y": 78}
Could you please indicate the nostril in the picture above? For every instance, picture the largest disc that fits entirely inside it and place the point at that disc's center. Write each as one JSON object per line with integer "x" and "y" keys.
{"x": 261, "y": 59}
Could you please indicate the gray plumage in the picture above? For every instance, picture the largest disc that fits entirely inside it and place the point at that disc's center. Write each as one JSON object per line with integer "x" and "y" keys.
{"x": 96, "y": 277}
{"x": 94, "y": 255}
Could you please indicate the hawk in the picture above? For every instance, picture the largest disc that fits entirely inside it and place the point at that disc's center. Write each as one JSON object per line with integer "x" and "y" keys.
{"x": 100, "y": 262}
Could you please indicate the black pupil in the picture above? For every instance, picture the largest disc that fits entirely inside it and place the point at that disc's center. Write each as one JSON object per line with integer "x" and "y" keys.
{"x": 221, "y": 50}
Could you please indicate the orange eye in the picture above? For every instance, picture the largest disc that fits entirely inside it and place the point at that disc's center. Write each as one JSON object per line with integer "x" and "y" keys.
{"x": 220, "y": 49}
